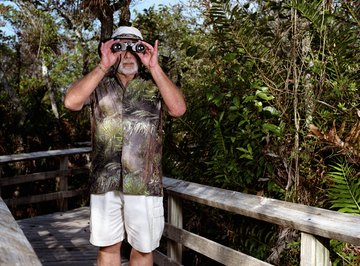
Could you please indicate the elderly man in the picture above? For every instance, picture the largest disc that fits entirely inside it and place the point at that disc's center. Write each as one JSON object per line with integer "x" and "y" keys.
{"x": 127, "y": 119}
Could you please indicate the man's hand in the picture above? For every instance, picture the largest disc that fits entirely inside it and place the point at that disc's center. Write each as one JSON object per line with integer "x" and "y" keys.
{"x": 150, "y": 57}
{"x": 108, "y": 58}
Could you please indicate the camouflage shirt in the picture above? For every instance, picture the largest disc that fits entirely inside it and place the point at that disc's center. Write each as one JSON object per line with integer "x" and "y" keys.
{"x": 127, "y": 138}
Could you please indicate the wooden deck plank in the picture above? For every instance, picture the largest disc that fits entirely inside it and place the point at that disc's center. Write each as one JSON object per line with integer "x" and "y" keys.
{"x": 62, "y": 238}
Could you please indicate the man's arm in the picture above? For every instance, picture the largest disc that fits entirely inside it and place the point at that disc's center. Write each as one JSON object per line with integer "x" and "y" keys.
{"x": 79, "y": 91}
{"x": 172, "y": 96}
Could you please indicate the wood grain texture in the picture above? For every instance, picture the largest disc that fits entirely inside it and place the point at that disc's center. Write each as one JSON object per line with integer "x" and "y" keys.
{"x": 312, "y": 220}
{"x": 15, "y": 248}
{"x": 313, "y": 252}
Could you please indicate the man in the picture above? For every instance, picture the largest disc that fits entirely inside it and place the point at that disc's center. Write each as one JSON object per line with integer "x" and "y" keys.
{"x": 126, "y": 188}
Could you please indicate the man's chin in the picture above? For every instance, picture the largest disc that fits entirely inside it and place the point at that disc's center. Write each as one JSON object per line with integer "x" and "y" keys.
{"x": 128, "y": 70}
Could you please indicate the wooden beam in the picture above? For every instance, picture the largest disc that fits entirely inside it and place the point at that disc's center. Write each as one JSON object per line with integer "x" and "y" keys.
{"x": 20, "y": 179}
{"x": 14, "y": 246}
{"x": 161, "y": 259}
{"x": 42, "y": 154}
{"x": 312, "y": 220}
{"x": 43, "y": 197}
{"x": 211, "y": 249}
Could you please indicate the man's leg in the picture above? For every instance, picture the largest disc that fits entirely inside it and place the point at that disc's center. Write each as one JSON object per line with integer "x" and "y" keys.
{"x": 144, "y": 223}
{"x": 140, "y": 259}
{"x": 107, "y": 227}
{"x": 109, "y": 256}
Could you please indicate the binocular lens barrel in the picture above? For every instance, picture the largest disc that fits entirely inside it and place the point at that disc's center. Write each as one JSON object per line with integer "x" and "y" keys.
{"x": 133, "y": 47}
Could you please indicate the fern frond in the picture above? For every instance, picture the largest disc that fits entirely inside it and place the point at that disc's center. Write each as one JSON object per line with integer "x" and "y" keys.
{"x": 344, "y": 193}
{"x": 314, "y": 12}
{"x": 219, "y": 138}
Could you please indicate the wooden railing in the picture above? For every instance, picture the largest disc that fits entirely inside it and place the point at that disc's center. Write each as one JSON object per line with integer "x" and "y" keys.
{"x": 310, "y": 221}
{"x": 313, "y": 223}
{"x": 61, "y": 176}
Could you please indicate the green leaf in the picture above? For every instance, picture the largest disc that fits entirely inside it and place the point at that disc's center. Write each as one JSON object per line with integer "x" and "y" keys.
{"x": 247, "y": 156}
{"x": 272, "y": 110}
{"x": 264, "y": 96}
{"x": 242, "y": 149}
{"x": 272, "y": 128}
{"x": 249, "y": 98}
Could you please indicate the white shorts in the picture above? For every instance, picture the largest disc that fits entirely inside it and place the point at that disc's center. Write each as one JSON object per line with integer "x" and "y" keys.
{"x": 113, "y": 215}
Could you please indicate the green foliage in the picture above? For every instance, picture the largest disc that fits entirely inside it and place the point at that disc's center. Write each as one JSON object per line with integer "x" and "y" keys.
{"x": 344, "y": 191}
{"x": 345, "y": 254}
{"x": 236, "y": 158}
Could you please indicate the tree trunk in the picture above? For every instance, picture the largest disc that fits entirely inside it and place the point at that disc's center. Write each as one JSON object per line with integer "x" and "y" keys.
{"x": 125, "y": 13}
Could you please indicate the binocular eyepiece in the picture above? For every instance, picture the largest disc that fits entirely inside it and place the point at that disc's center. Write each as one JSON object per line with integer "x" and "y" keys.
{"x": 132, "y": 47}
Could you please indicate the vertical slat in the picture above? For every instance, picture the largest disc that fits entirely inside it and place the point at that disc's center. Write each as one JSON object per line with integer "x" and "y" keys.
{"x": 313, "y": 252}
{"x": 175, "y": 218}
{"x": 63, "y": 183}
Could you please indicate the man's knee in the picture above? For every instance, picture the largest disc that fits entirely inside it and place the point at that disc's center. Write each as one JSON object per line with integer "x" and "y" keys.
{"x": 141, "y": 258}
{"x": 109, "y": 255}
{"x": 111, "y": 249}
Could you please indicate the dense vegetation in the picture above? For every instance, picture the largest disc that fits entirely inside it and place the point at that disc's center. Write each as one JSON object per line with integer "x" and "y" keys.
{"x": 272, "y": 89}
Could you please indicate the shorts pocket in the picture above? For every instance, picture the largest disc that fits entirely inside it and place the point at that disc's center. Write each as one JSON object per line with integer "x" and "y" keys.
{"x": 158, "y": 220}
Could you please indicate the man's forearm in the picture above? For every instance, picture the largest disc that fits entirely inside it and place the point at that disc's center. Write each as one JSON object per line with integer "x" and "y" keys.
{"x": 79, "y": 91}
{"x": 172, "y": 96}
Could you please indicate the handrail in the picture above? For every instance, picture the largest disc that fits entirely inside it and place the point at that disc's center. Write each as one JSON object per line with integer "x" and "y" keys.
{"x": 42, "y": 154}
{"x": 310, "y": 221}
{"x": 14, "y": 246}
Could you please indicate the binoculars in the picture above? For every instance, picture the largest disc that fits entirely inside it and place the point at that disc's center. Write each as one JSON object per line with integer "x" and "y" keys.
{"x": 132, "y": 47}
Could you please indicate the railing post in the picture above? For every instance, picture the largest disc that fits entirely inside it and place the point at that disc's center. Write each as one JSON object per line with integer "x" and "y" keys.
{"x": 175, "y": 218}
{"x": 313, "y": 252}
{"x": 63, "y": 183}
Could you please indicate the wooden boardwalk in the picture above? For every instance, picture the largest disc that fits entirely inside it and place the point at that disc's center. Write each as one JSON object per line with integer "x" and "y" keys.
{"x": 62, "y": 238}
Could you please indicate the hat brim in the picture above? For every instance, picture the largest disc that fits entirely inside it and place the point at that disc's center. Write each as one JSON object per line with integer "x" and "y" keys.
{"x": 127, "y": 36}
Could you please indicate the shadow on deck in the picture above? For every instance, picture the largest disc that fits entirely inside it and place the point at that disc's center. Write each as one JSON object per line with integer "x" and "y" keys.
{"x": 62, "y": 238}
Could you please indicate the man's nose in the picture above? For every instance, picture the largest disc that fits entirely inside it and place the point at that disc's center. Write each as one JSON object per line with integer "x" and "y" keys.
{"x": 127, "y": 54}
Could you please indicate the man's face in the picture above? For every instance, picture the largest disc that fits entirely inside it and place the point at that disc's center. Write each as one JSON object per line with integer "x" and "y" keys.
{"x": 128, "y": 61}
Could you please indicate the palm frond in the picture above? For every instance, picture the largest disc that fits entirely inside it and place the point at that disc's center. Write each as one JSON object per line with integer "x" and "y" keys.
{"x": 344, "y": 193}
